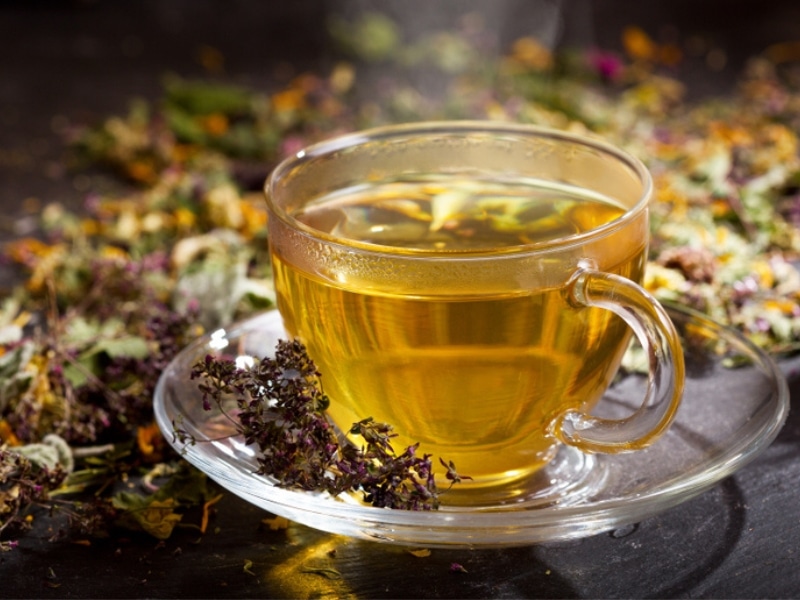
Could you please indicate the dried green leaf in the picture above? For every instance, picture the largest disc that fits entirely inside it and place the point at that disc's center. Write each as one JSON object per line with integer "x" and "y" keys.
{"x": 127, "y": 346}
{"x": 206, "y": 97}
{"x": 153, "y": 516}
{"x": 14, "y": 379}
{"x": 248, "y": 567}
{"x": 188, "y": 486}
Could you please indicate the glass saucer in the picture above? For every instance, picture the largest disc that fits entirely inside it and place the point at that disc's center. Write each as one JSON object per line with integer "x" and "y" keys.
{"x": 735, "y": 402}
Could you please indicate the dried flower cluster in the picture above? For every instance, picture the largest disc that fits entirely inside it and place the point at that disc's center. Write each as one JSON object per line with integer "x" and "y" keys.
{"x": 280, "y": 408}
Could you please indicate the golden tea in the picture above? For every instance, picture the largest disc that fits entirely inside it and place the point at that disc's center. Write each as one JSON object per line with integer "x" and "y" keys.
{"x": 473, "y": 358}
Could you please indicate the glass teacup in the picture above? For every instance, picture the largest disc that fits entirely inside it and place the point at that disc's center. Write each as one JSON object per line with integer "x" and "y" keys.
{"x": 475, "y": 285}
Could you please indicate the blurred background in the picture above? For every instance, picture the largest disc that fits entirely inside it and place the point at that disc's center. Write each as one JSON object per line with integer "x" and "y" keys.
{"x": 77, "y": 61}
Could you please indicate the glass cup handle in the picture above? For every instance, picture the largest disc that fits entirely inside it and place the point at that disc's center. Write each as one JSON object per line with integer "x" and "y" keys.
{"x": 657, "y": 335}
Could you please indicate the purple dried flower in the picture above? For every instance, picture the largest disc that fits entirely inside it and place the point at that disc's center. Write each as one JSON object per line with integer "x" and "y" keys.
{"x": 761, "y": 325}
{"x": 281, "y": 409}
{"x": 608, "y": 65}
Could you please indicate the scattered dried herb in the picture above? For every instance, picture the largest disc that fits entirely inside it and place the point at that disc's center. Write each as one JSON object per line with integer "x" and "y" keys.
{"x": 248, "y": 567}
{"x": 109, "y": 294}
{"x": 322, "y": 570}
{"x": 457, "y": 568}
{"x": 280, "y": 407}
{"x": 23, "y": 483}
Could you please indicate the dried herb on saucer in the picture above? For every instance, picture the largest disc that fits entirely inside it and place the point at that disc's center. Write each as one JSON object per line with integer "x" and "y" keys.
{"x": 280, "y": 407}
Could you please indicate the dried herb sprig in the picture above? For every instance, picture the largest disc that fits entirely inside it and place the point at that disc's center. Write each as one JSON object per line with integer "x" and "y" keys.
{"x": 23, "y": 484}
{"x": 281, "y": 409}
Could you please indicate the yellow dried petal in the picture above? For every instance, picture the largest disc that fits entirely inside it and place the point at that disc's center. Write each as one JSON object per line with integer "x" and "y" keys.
{"x": 531, "y": 53}
{"x": 114, "y": 253}
{"x": 783, "y": 305}
{"x": 735, "y": 135}
{"x": 766, "y": 277}
{"x": 159, "y": 518}
{"x": 7, "y": 435}
{"x": 26, "y": 248}
{"x": 154, "y": 222}
{"x": 255, "y": 219}
{"x": 638, "y": 44}
{"x": 127, "y": 226}
{"x": 45, "y": 268}
{"x": 141, "y": 170}
{"x": 91, "y": 227}
{"x": 147, "y": 438}
{"x": 185, "y": 218}
{"x": 288, "y": 100}
{"x": 276, "y": 523}
{"x": 224, "y": 207}
{"x": 342, "y": 78}
{"x": 216, "y": 124}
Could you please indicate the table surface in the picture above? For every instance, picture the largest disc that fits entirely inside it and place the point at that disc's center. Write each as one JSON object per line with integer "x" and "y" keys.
{"x": 82, "y": 60}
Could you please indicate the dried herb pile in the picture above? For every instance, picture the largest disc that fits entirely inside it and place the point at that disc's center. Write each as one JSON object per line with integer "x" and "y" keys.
{"x": 281, "y": 410}
{"x": 110, "y": 294}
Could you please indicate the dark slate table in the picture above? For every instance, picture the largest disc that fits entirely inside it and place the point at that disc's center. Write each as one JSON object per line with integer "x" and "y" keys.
{"x": 80, "y": 60}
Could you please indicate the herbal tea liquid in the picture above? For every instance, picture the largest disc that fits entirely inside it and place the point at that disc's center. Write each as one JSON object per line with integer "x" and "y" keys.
{"x": 473, "y": 374}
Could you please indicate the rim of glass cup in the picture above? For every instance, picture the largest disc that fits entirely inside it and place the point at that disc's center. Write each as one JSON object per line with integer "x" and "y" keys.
{"x": 386, "y": 132}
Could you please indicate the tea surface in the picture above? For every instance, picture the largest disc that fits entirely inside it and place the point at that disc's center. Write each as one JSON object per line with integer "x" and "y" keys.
{"x": 457, "y": 214}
